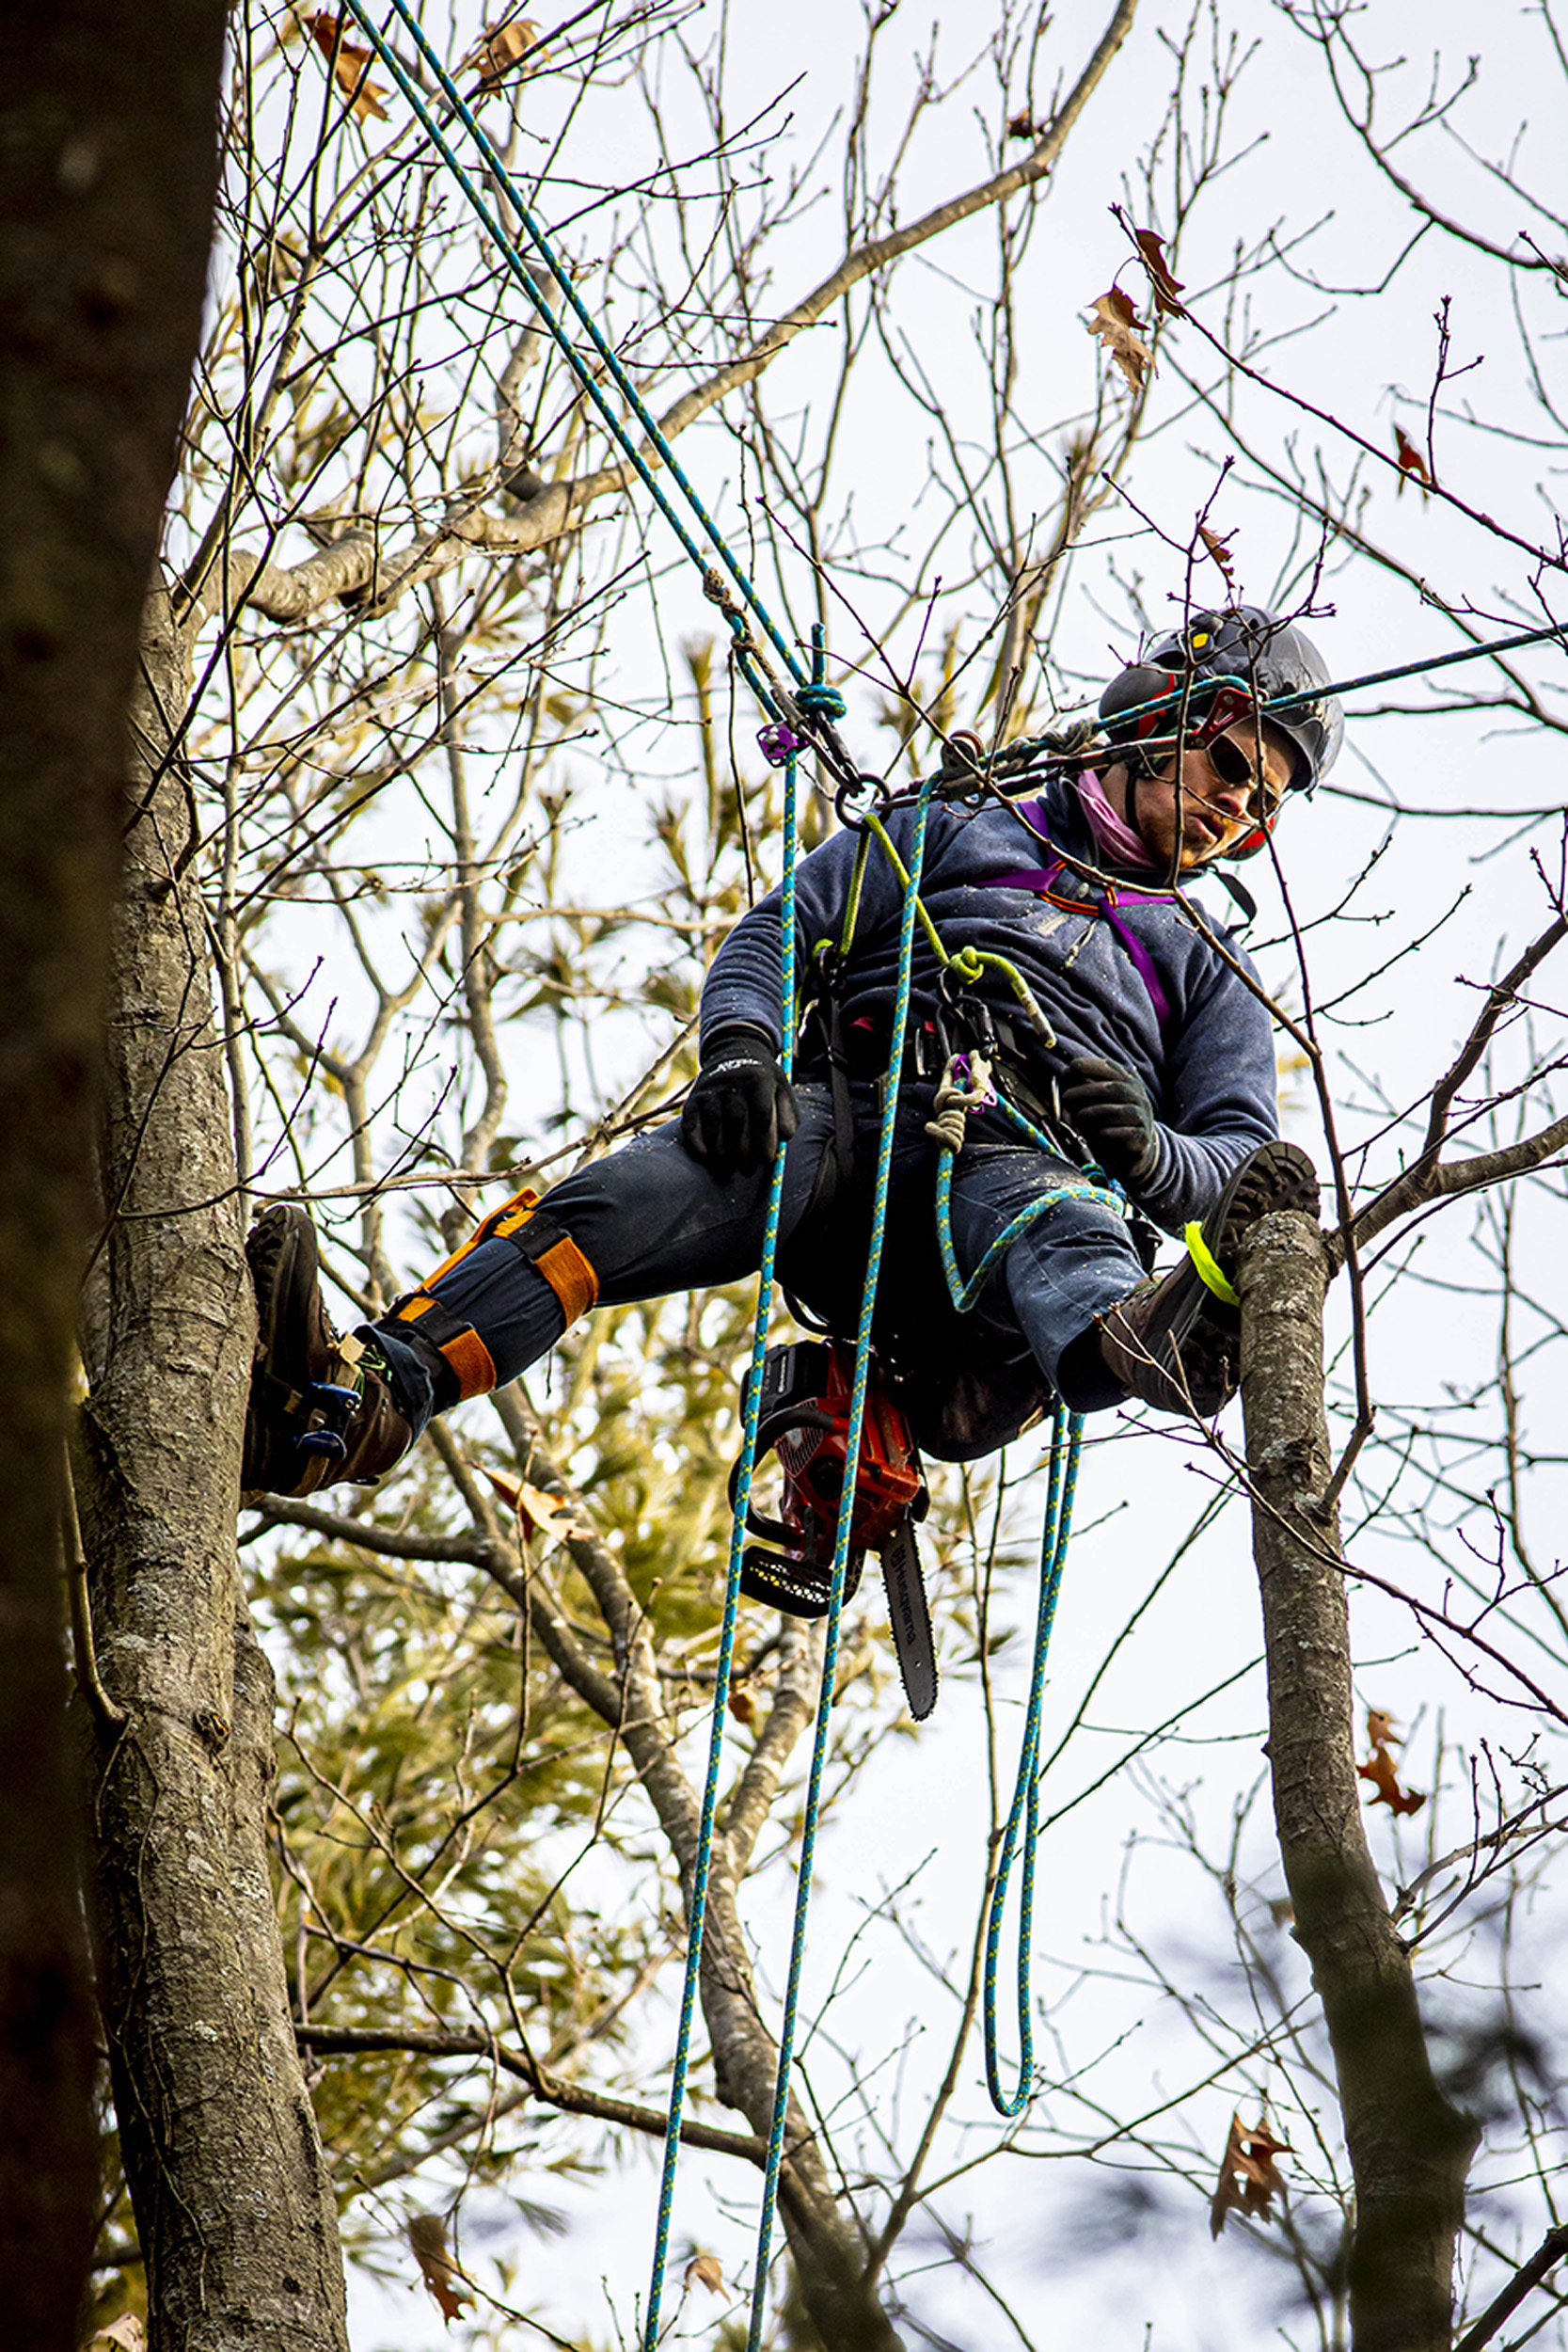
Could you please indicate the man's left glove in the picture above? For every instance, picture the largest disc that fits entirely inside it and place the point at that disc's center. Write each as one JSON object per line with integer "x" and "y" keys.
{"x": 741, "y": 1107}
{"x": 1112, "y": 1112}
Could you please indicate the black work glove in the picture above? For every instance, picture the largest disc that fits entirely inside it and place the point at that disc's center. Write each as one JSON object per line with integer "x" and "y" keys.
{"x": 741, "y": 1107}
{"x": 1112, "y": 1112}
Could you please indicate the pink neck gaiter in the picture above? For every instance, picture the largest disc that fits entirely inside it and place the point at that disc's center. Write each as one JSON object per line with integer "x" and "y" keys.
{"x": 1115, "y": 838}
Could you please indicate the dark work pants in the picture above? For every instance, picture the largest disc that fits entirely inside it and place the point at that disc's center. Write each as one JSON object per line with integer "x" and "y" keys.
{"x": 651, "y": 1219}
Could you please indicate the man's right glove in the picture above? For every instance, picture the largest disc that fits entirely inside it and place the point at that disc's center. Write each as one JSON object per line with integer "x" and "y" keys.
{"x": 741, "y": 1107}
{"x": 1112, "y": 1112}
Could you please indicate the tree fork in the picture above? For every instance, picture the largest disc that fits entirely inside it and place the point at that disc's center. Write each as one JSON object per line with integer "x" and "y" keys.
{"x": 1409, "y": 2146}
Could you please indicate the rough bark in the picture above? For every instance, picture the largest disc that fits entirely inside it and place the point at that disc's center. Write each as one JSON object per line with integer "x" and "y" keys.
{"x": 1409, "y": 2147}
{"x": 233, "y": 2203}
{"x": 107, "y": 172}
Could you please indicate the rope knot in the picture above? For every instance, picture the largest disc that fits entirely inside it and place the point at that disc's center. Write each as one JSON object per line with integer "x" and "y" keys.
{"x": 965, "y": 1089}
{"x": 813, "y": 701}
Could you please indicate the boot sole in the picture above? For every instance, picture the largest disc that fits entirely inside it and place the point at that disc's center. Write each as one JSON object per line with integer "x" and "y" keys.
{"x": 285, "y": 1271}
{"x": 1278, "y": 1176}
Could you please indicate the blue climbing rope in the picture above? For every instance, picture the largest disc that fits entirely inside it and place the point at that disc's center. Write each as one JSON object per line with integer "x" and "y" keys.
{"x": 587, "y": 376}
{"x": 959, "y": 1097}
{"x": 703, "y": 1858}
{"x": 819, "y": 706}
{"x": 841, "y": 1557}
{"x": 963, "y": 1093}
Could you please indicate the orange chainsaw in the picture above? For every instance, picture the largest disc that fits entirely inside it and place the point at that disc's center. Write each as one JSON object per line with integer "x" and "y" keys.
{"x": 807, "y": 1389}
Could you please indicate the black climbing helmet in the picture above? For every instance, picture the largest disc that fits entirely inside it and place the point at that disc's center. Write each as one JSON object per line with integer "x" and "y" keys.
{"x": 1230, "y": 663}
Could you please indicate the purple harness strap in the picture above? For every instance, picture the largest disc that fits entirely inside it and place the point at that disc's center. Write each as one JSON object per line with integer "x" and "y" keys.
{"x": 1039, "y": 879}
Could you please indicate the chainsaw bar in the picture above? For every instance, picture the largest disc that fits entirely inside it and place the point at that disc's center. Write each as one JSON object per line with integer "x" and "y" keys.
{"x": 911, "y": 1619}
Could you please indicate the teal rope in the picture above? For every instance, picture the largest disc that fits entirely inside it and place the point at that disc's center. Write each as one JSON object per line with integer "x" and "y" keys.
{"x": 1066, "y": 1437}
{"x": 586, "y": 376}
{"x": 1022, "y": 752}
{"x": 964, "y": 1294}
{"x": 841, "y": 1557}
{"x": 1067, "y": 1434}
{"x": 702, "y": 1864}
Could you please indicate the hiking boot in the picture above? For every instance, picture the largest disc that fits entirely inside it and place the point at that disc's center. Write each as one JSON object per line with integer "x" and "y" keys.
{"x": 1173, "y": 1341}
{"x": 321, "y": 1408}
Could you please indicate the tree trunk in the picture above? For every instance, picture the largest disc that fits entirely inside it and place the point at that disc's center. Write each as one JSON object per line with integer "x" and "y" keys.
{"x": 107, "y": 170}
{"x": 230, "y": 2192}
{"x": 1409, "y": 2148}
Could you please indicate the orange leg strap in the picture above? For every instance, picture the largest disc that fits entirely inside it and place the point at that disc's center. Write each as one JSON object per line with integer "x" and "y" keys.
{"x": 539, "y": 1238}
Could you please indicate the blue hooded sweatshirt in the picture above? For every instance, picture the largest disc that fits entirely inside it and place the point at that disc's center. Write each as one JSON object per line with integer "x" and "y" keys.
{"x": 1124, "y": 972}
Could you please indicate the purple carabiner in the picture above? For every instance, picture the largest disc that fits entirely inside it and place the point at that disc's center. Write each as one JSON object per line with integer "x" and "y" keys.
{"x": 985, "y": 1100}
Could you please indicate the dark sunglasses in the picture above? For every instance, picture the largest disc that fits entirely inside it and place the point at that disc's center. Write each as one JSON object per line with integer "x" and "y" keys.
{"x": 1231, "y": 763}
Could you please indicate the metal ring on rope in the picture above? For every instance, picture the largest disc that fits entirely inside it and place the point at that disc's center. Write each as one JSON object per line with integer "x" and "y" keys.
{"x": 854, "y": 802}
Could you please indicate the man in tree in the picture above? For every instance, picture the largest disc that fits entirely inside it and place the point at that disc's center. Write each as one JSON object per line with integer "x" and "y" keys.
{"x": 1127, "y": 1029}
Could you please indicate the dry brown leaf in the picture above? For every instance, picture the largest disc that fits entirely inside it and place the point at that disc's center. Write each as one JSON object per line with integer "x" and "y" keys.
{"x": 1410, "y": 461}
{"x": 539, "y": 1514}
{"x": 1379, "y": 1769}
{"x": 427, "y": 2238}
{"x": 499, "y": 49}
{"x": 1023, "y": 126}
{"x": 743, "y": 1707}
{"x": 1249, "y": 2178}
{"x": 1218, "y": 546}
{"x": 1380, "y": 1729}
{"x": 350, "y": 65}
{"x": 705, "y": 2270}
{"x": 1115, "y": 320}
{"x": 1167, "y": 289}
{"x": 1282, "y": 1910}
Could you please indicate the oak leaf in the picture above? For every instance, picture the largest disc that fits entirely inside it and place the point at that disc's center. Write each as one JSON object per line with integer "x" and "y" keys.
{"x": 1115, "y": 319}
{"x": 1023, "y": 126}
{"x": 705, "y": 2270}
{"x": 350, "y": 65}
{"x": 499, "y": 49}
{"x": 743, "y": 1707}
{"x": 1249, "y": 2178}
{"x": 1167, "y": 290}
{"x": 1379, "y": 1769}
{"x": 1380, "y": 1729}
{"x": 1410, "y": 461}
{"x": 427, "y": 2239}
